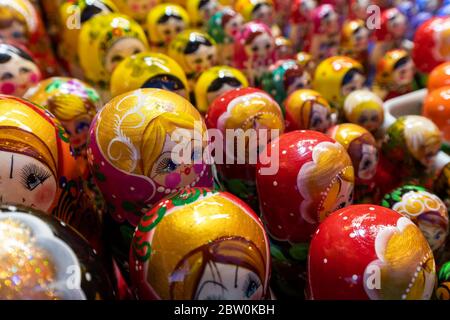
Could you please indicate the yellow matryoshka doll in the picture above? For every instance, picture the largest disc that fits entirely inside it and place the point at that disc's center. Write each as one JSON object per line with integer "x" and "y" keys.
{"x": 336, "y": 77}
{"x": 73, "y": 14}
{"x": 104, "y": 41}
{"x": 195, "y": 51}
{"x": 200, "y": 11}
{"x": 37, "y": 168}
{"x": 355, "y": 41}
{"x": 149, "y": 70}
{"x": 164, "y": 22}
{"x": 216, "y": 81}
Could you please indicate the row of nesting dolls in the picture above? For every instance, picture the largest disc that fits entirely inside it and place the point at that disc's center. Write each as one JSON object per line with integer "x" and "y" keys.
{"x": 201, "y": 243}
{"x": 129, "y": 156}
{"x": 91, "y": 47}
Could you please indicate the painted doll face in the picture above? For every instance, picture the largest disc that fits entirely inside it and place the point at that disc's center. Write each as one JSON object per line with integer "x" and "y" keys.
{"x": 260, "y": 47}
{"x": 202, "y": 59}
{"x": 307, "y": 7}
{"x": 172, "y": 174}
{"x": 320, "y": 119}
{"x": 169, "y": 29}
{"x": 17, "y": 75}
{"x": 404, "y": 74}
{"x": 339, "y": 196}
{"x": 361, "y": 39}
{"x": 141, "y": 6}
{"x": 369, "y": 119}
{"x": 397, "y": 25}
{"x": 229, "y": 282}
{"x": 26, "y": 181}
{"x": 359, "y": 8}
{"x": 264, "y": 13}
{"x": 233, "y": 26}
{"x": 368, "y": 164}
{"x": 121, "y": 49}
{"x": 330, "y": 23}
{"x": 355, "y": 83}
{"x": 433, "y": 232}
{"x": 78, "y": 130}
{"x": 15, "y": 31}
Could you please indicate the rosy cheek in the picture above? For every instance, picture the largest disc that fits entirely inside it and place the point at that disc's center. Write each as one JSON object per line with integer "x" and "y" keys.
{"x": 198, "y": 168}
{"x": 34, "y": 77}
{"x": 173, "y": 180}
{"x": 8, "y": 88}
{"x": 135, "y": 7}
{"x": 43, "y": 195}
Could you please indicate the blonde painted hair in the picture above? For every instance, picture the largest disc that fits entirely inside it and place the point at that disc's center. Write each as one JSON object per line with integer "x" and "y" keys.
{"x": 67, "y": 107}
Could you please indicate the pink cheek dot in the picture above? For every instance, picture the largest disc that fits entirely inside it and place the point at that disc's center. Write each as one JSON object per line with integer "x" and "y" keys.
{"x": 34, "y": 77}
{"x": 198, "y": 168}
{"x": 8, "y": 88}
{"x": 173, "y": 180}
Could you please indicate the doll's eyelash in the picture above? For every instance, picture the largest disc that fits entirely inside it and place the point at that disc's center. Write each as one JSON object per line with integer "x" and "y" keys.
{"x": 32, "y": 175}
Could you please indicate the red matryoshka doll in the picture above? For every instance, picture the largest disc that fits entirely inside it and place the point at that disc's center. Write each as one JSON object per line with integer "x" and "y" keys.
{"x": 336, "y": 77}
{"x": 394, "y": 75}
{"x": 364, "y": 252}
{"x": 390, "y": 35}
{"x": 408, "y": 151}
{"x": 362, "y": 149}
{"x": 436, "y": 107}
{"x": 432, "y": 44}
{"x": 358, "y": 9}
{"x": 282, "y": 10}
{"x": 219, "y": 251}
{"x": 144, "y": 145}
{"x": 323, "y": 41}
{"x": 364, "y": 108}
{"x": 104, "y": 41}
{"x": 301, "y": 22}
{"x": 355, "y": 41}
{"x": 18, "y": 70}
{"x": 284, "y": 77}
{"x": 311, "y": 175}
{"x": 439, "y": 77}
{"x": 22, "y": 23}
{"x": 44, "y": 259}
{"x": 245, "y": 119}
{"x": 425, "y": 209}
{"x": 254, "y": 51}
{"x": 306, "y": 109}
{"x": 223, "y": 27}
{"x": 37, "y": 166}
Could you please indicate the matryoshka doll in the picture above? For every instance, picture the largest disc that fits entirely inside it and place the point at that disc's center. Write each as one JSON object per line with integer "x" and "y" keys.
{"x": 306, "y": 61}
{"x": 195, "y": 51}
{"x": 425, "y": 209}
{"x": 164, "y": 22}
{"x": 134, "y": 155}
{"x": 74, "y": 14}
{"x": 200, "y": 11}
{"x": 149, "y": 70}
{"x": 284, "y": 77}
{"x": 355, "y": 41}
{"x": 223, "y": 27}
{"x": 219, "y": 251}
{"x": 301, "y": 22}
{"x": 408, "y": 151}
{"x": 136, "y": 9}
{"x": 323, "y": 39}
{"x": 394, "y": 75}
{"x": 253, "y": 118}
{"x": 261, "y": 11}
{"x": 358, "y": 9}
{"x": 104, "y": 41}
{"x": 364, "y": 252}
{"x": 436, "y": 107}
{"x": 362, "y": 149}
{"x": 390, "y": 35}
{"x": 306, "y": 109}
{"x": 364, "y": 108}
{"x": 45, "y": 259}
{"x": 37, "y": 166}
{"x": 439, "y": 77}
{"x": 254, "y": 51}
{"x": 214, "y": 82}
{"x": 21, "y": 22}
{"x": 18, "y": 70}
{"x": 432, "y": 44}
{"x": 336, "y": 77}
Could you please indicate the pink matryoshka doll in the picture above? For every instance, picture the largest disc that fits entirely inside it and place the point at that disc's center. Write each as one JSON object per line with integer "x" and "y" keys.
{"x": 133, "y": 155}
{"x": 324, "y": 38}
{"x": 300, "y": 21}
{"x": 254, "y": 50}
{"x": 368, "y": 252}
